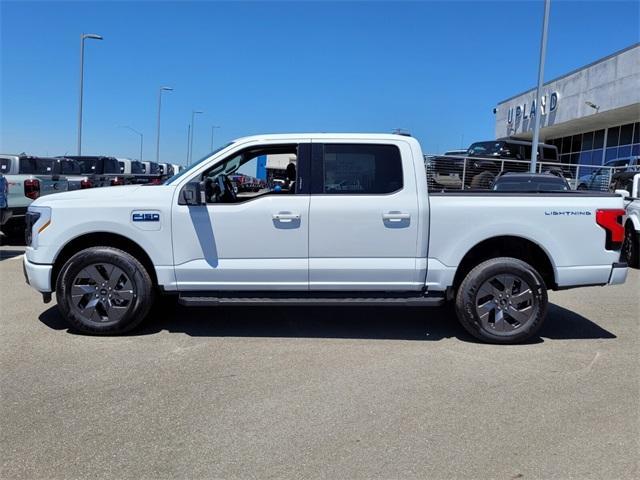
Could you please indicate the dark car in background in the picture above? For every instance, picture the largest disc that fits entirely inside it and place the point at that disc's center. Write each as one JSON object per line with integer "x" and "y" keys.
{"x": 102, "y": 171}
{"x": 530, "y": 182}
{"x": 601, "y": 177}
{"x": 73, "y": 171}
{"x": 484, "y": 160}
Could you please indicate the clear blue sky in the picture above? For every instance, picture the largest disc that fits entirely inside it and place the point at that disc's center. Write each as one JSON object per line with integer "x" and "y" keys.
{"x": 434, "y": 68}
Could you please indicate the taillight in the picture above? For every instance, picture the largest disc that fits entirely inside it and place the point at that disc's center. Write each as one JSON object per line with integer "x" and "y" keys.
{"x": 611, "y": 221}
{"x": 86, "y": 183}
{"x": 32, "y": 188}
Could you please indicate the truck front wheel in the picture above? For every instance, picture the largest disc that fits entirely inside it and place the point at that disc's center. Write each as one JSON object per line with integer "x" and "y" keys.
{"x": 502, "y": 300}
{"x": 103, "y": 291}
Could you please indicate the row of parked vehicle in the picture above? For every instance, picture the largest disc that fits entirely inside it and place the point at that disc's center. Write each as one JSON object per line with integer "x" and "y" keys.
{"x": 25, "y": 178}
{"x": 481, "y": 165}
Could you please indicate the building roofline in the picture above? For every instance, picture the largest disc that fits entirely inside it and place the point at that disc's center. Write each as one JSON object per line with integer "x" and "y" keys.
{"x": 584, "y": 67}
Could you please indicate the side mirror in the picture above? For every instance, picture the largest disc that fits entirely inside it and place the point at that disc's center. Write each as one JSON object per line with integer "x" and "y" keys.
{"x": 624, "y": 193}
{"x": 192, "y": 194}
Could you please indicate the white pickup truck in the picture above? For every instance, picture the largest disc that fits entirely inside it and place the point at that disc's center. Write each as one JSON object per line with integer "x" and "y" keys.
{"x": 352, "y": 224}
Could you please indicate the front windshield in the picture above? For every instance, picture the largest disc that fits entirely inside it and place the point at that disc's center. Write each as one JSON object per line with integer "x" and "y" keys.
{"x": 170, "y": 180}
{"x": 484, "y": 149}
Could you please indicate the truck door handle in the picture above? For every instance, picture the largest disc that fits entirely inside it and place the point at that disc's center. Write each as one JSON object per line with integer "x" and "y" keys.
{"x": 395, "y": 216}
{"x": 286, "y": 216}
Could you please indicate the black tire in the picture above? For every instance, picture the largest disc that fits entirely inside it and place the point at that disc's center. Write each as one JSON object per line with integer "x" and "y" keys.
{"x": 631, "y": 246}
{"x": 472, "y": 298}
{"x": 482, "y": 180}
{"x": 128, "y": 308}
{"x": 582, "y": 187}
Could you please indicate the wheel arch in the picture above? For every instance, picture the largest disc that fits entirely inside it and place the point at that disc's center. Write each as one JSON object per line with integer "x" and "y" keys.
{"x": 634, "y": 221}
{"x": 101, "y": 239}
{"x": 507, "y": 246}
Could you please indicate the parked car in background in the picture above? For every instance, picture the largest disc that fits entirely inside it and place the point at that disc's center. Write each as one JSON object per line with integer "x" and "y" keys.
{"x": 600, "y": 178}
{"x": 176, "y": 168}
{"x": 165, "y": 170}
{"x": 72, "y": 170}
{"x": 512, "y": 149}
{"x": 246, "y": 183}
{"x": 28, "y": 178}
{"x": 3, "y": 199}
{"x": 530, "y": 182}
{"x": 628, "y": 185}
{"x": 102, "y": 171}
{"x": 482, "y": 161}
{"x": 151, "y": 173}
{"x": 132, "y": 171}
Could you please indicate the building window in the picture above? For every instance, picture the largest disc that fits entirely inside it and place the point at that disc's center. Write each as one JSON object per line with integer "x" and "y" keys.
{"x": 587, "y": 148}
{"x": 612, "y": 137}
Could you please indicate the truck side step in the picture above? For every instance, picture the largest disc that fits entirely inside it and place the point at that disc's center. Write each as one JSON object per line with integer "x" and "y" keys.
{"x": 209, "y": 299}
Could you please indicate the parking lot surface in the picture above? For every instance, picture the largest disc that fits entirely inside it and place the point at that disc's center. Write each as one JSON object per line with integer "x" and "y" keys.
{"x": 325, "y": 392}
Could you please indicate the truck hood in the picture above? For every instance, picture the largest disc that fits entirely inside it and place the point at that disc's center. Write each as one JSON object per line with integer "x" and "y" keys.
{"x": 103, "y": 195}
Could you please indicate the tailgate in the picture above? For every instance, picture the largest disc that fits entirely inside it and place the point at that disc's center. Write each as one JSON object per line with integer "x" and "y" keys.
{"x": 49, "y": 184}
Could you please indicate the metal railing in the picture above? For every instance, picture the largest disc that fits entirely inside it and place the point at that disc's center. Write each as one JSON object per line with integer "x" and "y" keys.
{"x": 460, "y": 173}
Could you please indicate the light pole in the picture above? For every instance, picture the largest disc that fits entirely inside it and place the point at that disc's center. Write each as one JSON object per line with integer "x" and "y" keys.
{"x": 538, "y": 109}
{"x": 213, "y": 127}
{"x": 188, "y": 140}
{"x": 92, "y": 36}
{"x": 137, "y": 132}
{"x": 193, "y": 128}
{"x": 162, "y": 89}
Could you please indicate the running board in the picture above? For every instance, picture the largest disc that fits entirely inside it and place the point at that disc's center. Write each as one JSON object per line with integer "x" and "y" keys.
{"x": 205, "y": 299}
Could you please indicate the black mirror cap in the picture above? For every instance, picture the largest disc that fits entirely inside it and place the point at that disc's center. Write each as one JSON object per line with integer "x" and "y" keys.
{"x": 191, "y": 194}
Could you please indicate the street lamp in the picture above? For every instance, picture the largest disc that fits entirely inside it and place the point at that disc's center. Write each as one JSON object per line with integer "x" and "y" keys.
{"x": 84, "y": 36}
{"x": 213, "y": 127}
{"x": 162, "y": 89}
{"x": 538, "y": 110}
{"x": 193, "y": 128}
{"x": 136, "y": 132}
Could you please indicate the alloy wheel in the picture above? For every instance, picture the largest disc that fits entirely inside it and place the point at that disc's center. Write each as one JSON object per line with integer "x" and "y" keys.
{"x": 505, "y": 303}
{"x": 102, "y": 292}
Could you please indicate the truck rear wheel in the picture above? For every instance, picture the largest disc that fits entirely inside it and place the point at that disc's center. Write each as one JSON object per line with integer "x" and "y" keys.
{"x": 502, "y": 300}
{"x": 104, "y": 291}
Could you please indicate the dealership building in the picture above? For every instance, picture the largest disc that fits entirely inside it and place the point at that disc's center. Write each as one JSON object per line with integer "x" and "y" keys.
{"x": 591, "y": 114}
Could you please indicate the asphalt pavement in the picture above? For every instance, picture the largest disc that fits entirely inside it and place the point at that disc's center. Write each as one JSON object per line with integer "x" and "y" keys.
{"x": 319, "y": 392}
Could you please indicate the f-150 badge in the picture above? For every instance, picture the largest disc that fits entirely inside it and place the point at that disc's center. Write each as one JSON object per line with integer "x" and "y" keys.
{"x": 145, "y": 217}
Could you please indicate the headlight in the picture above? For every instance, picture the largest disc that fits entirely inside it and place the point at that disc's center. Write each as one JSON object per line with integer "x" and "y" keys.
{"x": 37, "y": 220}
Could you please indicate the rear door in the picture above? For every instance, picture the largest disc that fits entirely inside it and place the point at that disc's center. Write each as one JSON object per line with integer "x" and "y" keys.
{"x": 363, "y": 217}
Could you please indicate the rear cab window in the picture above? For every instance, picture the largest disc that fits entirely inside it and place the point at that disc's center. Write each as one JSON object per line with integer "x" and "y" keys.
{"x": 35, "y": 166}
{"x": 359, "y": 169}
{"x": 5, "y": 165}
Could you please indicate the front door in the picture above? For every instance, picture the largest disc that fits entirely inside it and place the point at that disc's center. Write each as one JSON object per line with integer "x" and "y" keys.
{"x": 253, "y": 232}
{"x": 363, "y": 230}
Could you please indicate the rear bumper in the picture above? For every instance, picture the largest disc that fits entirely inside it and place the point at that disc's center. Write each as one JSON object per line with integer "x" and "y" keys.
{"x": 37, "y": 276}
{"x": 618, "y": 273}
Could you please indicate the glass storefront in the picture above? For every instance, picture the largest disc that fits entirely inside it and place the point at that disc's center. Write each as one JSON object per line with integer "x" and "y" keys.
{"x": 599, "y": 146}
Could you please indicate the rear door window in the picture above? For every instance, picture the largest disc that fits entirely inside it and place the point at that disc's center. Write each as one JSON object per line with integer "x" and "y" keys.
{"x": 5, "y": 164}
{"x": 366, "y": 169}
